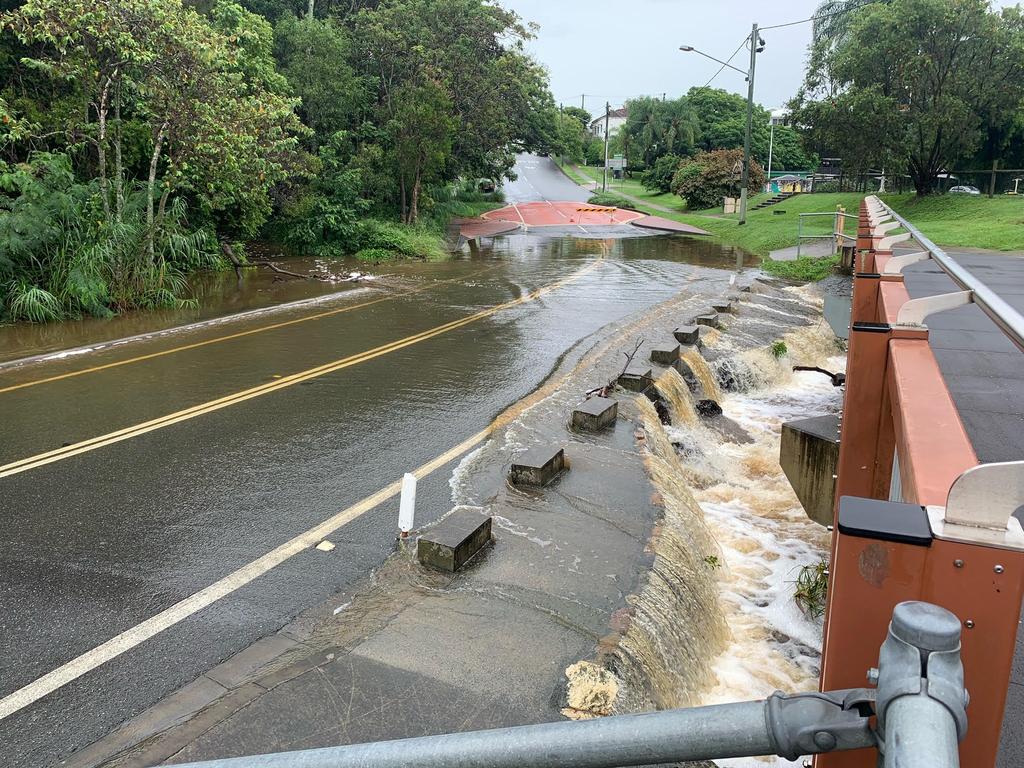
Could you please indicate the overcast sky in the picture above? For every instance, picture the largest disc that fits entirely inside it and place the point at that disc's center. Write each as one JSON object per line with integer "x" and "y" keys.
{"x": 615, "y": 50}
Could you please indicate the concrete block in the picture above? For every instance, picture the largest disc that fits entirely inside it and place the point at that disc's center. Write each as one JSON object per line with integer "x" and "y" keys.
{"x": 665, "y": 355}
{"x": 722, "y": 306}
{"x": 687, "y": 334}
{"x": 710, "y": 320}
{"x": 595, "y": 414}
{"x": 538, "y": 466}
{"x": 451, "y": 543}
{"x": 709, "y": 409}
{"x": 809, "y": 455}
{"x": 636, "y": 378}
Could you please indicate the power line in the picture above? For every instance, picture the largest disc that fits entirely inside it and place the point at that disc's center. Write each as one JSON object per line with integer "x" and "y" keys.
{"x": 846, "y": 9}
{"x": 739, "y": 47}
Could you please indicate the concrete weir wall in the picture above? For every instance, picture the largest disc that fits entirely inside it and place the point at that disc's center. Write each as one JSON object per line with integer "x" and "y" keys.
{"x": 809, "y": 455}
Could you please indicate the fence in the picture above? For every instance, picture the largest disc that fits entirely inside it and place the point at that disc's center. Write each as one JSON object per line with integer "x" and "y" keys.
{"x": 1002, "y": 181}
{"x": 806, "y": 230}
{"x": 940, "y": 525}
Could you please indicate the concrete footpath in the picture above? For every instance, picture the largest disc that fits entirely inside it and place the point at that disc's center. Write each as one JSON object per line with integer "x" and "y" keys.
{"x": 411, "y": 651}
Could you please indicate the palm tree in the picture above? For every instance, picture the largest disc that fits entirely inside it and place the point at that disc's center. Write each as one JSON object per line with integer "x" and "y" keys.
{"x": 832, "y": 19}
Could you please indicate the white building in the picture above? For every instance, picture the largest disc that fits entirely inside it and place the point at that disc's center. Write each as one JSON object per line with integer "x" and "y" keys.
{"x": 616, "y": 119}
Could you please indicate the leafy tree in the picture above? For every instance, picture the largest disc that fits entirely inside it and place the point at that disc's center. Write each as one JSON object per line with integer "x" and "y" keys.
{"x": 703, "y": 180}
{"x": 655, "y": 128}
{"x": 916, "y": 85}
{"x": 579, "y": 114}
{"x": 658, "y": 178}
{"x": 314, "y": 56}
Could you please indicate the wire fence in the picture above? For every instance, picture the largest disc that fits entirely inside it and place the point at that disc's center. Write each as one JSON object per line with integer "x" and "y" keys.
{"x": 1009, "y": 181}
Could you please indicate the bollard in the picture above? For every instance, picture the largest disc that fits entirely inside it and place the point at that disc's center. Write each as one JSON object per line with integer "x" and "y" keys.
{"x": 407, "y": 504}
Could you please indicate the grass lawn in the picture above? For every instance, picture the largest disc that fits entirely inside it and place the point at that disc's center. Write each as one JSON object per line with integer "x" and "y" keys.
{"x": 950, "y": 220}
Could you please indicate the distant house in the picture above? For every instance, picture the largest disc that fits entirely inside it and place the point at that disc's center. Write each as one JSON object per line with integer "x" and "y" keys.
{"x": 616, "y": 119}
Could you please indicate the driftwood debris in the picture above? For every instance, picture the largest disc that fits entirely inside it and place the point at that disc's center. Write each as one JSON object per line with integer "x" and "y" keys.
{"x": 239, "y": 265}
{"x": 604, "y": 390}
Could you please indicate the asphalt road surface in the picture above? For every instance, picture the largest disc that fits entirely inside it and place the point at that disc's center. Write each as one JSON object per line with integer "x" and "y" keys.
{"x": 160, "y": 499}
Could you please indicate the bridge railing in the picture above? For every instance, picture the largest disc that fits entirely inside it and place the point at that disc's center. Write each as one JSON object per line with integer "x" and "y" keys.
{"x": 917, "y": 516}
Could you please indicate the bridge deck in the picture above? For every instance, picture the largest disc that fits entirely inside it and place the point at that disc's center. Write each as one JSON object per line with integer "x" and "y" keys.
{"x": 984, "y": 373}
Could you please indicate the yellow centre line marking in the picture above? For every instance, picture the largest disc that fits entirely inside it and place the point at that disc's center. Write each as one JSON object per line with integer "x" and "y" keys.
{"x": 238, "y": 335}
{"x": 85, "y": 446}
{"x": 238, "y": 578}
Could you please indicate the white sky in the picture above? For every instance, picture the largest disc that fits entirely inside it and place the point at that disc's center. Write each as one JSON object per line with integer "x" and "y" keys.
{"x": 615, "y": 50}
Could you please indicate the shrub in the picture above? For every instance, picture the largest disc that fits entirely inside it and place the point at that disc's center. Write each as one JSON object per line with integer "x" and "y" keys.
{"x": 658, "y": 178}
{"x": 610, "y": 200}
{"x": 778, "y": 349}
{"x": 704, "y": 179}
{"x": 376, "y": 254}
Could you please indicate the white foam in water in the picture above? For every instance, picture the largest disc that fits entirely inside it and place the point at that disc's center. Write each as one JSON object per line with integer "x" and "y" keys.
{"x": 765, "y": 539}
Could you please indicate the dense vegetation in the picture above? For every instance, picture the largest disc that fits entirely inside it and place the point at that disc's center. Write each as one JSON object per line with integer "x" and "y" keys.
{"x": 144, "y": 139}
{"x": 662, "y": 135}
{"x": 916, "y": 86}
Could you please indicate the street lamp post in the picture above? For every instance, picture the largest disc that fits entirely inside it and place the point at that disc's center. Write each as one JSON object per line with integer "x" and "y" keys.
{"x": 756, "y": 46}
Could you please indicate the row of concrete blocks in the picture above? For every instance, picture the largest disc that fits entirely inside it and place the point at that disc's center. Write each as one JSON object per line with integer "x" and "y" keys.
{"x": 637, "y": 378}
{"x": 452, "y": 543}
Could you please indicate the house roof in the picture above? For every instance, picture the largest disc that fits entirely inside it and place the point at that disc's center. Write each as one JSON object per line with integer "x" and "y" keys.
{"x": 623, "y": 113}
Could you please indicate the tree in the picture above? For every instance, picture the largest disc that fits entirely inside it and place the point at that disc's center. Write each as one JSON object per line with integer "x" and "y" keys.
{"x": 658, "y": 178}
{"x": 703, "y": 180}
{"x": 314, "y": 56}
{"x": 916, "y": 85}
{"x": 655, "y": 128}
{"x": 422, "y": 131}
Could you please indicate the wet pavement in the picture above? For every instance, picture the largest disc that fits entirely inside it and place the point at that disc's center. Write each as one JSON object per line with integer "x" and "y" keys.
{"x": 611, "y": 565}
{"x": 116, "y": 532}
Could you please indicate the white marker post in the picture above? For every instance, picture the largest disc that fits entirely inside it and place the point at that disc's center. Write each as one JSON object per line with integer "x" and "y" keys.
{"x": 407, "y": 505}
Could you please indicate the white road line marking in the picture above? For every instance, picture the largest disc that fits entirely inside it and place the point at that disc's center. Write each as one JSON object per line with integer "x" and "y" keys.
{"x": 154, "y": 625}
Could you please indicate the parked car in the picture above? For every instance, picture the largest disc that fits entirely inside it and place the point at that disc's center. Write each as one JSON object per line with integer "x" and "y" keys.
{"x": 964, "y": 190}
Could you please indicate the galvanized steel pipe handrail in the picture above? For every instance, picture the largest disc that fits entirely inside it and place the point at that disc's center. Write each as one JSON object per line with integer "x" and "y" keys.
{"x": 744, "y": 729}
{"x": 1006, "y": 318}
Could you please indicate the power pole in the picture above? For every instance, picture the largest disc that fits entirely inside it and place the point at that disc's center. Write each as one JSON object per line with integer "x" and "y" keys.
{"x": 754, "y": 37}
{"x": 607, "y": 113}
{"x": 583, "y": 100}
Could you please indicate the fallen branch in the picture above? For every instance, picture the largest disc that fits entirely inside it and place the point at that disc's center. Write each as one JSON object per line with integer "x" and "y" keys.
{"x": 278, "y": 270}
{"x": 603, "y": 391}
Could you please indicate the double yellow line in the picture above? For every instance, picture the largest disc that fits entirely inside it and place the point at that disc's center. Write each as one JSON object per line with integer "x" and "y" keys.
{"x": 39, "y": 460}
{"x": 238, "y": 335}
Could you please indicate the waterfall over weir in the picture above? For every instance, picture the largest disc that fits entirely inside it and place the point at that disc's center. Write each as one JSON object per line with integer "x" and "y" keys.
{"x": 673, "y": 388}
{"x": 701, "y": 369}
{"x": 676, "y": 626}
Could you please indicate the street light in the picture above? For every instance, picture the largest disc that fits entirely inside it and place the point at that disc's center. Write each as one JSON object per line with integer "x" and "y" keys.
{"x": 756, "y": 43}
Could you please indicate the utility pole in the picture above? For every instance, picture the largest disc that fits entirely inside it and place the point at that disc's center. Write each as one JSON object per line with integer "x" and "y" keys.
{"x": 583, "y": 100}
{"x": 754, "y": 37}
{"x": 607, "y": 113}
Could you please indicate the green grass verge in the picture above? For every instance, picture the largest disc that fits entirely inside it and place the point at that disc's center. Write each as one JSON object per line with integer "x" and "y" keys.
{"x": 805, "y": 269}
{"x": 950, "y": 220}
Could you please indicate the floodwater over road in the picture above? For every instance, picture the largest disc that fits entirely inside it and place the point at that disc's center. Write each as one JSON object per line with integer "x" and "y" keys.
{"x": 134, "y": 476}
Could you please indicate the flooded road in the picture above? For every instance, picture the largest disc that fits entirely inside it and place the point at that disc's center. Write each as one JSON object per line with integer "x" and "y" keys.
{"x": 136, "y": 476}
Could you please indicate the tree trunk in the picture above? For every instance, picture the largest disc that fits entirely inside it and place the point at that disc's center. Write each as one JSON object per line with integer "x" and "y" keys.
{"x": 154, "y": 160}
{"x": 404, "y": 209}
{"x": 118, "y": 162}
{"x": 310, "y": 11}
{"x": 101, "y": 147}
{"x": 414, "y": 208}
